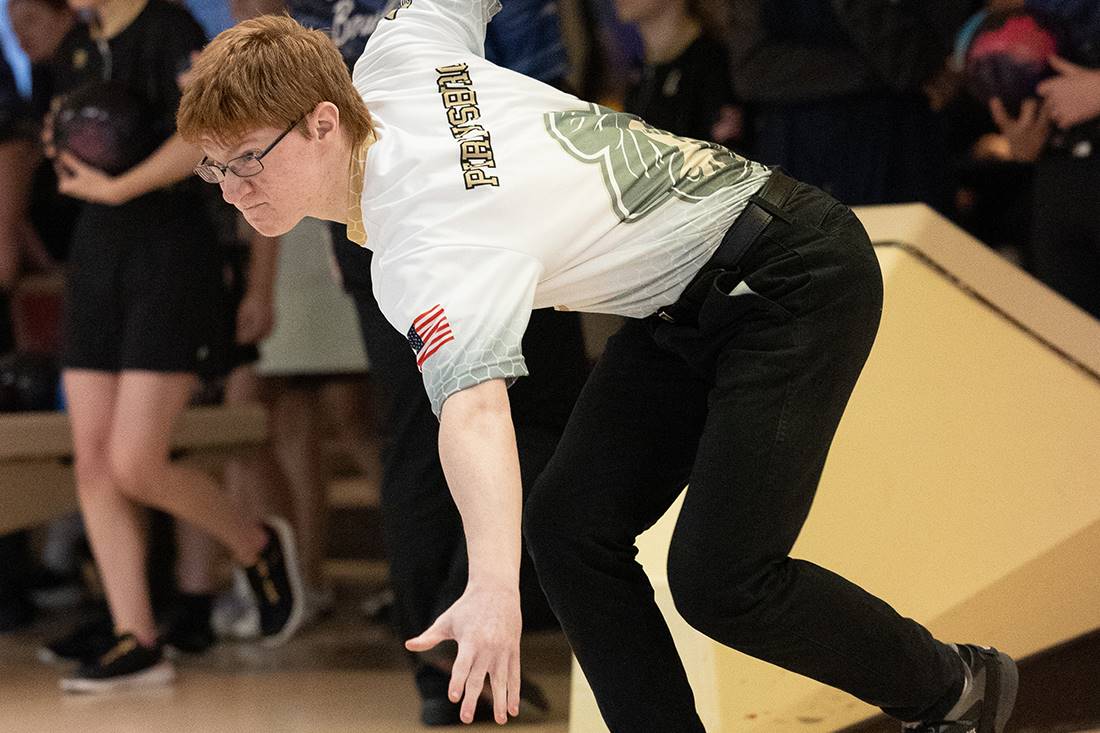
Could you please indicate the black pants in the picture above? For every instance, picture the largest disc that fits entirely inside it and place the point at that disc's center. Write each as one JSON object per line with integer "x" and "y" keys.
{"x": 742, "y": 407}
{"x": 421, "y": 526}
{"x": 1065, "y": 243}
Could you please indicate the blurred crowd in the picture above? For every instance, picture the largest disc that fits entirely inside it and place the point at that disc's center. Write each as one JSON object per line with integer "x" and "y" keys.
{"x": 874, "y": 101}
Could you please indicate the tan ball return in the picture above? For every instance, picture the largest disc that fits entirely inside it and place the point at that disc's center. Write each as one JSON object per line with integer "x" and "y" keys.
{"x": 962, "y": 486}
{"x": 36, "y": 480}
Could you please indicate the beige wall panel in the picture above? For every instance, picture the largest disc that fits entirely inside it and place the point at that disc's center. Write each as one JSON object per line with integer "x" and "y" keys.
{"x": 962, "y": 486}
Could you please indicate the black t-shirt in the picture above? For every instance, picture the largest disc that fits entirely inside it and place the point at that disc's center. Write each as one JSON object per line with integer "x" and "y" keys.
{"x": 691, "y": 95}
{"x": 148, "y": 56}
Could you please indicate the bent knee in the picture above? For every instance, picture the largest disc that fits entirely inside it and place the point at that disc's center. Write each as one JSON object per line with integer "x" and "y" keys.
{"x": 135, "y": 474}
{"x": 713, "y": 597}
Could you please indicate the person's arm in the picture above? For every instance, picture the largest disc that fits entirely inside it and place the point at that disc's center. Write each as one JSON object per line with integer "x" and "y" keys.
{"x": 256, "y": 313}
{"x": 477, "y": 448}
{"x": 17, "y": 157}
{"x": 173, "y": 161}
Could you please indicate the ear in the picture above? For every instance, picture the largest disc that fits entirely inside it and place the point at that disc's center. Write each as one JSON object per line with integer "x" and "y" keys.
{"x": 325, "y": 120}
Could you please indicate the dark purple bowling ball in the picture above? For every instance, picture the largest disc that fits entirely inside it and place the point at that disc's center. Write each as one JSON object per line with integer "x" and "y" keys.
{"x": 106, "y": 125}
{"x": 1008, "y": 57}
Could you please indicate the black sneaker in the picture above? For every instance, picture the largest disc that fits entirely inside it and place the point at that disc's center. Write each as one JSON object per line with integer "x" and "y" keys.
{"x": 436, "y": 709}
{"x": 187, "y": 626}
{"x": 127, "y": 665}
{"x": 86, "y": 642}
{"x": 276, "y": 582}
{"x": 996, "y": 679}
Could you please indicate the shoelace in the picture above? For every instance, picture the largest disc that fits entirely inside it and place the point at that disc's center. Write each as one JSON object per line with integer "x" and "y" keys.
{"x": 122, "y": 647}
{"x": 268, "y": 584}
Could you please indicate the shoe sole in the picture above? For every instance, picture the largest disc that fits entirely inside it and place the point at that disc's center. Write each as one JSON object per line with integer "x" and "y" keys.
{"x": 1008, "y": 683}
{"x": 297, "y": 587}
{"x": 159, "y": 675}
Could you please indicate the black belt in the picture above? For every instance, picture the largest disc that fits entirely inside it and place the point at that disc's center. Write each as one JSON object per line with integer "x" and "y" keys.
{"x": 764, "y": 206}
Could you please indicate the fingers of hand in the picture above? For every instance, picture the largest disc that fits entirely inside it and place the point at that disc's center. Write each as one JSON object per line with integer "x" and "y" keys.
{"x": 460, "y": 670}
{"x": 513, "y": 684}
{"x": 475, "y": 682}
{"x": 1000, "y": 114}
{"x": 435, "y": 634}
{"x": 1029, "y": 112}
{"x": 498, "y": 681}
{"x": 1062, "y": 66}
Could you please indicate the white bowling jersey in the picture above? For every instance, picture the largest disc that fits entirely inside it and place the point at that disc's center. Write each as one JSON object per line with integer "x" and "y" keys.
{"x": 487, "y": 194}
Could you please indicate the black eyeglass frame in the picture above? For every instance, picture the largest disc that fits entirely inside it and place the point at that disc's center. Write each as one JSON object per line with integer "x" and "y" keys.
{"x": 214, "y": 173}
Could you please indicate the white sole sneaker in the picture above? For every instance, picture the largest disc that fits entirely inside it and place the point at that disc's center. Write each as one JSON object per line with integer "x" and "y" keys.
{"x": 234, "y": 615}
{"x": 159, "y": 675}
{"x": 294, "y": 576}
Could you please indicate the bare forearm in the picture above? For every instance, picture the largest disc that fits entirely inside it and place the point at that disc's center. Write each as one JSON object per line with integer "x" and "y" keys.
{"x": 171, "y": 162}
{"x": 477, "y": 447}
{"x": 262, "y": 264}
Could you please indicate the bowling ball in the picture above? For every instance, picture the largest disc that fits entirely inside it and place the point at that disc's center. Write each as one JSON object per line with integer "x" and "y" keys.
{"x": 28, "y": 382}
{"x": 106, "y": 125}
{"x": 1007, "y": 57}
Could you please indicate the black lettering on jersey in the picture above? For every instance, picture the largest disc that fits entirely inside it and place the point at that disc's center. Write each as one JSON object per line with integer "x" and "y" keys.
{"x": 475, "y": 149}
{"x": 392, "y": 15}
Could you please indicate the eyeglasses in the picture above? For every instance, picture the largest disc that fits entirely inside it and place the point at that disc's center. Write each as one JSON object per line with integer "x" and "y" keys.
{"x": 242, "y": 166}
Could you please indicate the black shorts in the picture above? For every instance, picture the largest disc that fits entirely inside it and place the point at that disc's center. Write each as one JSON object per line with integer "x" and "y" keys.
{"x": 145, "y": 288}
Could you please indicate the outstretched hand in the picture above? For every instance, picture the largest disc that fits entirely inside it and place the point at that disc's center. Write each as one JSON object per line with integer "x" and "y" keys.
{"x": 486, "y": 623}
{"x": 1073, "y": 96}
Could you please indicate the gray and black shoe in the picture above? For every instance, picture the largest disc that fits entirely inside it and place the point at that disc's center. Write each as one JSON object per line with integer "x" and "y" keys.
{"x": 995, "y": 679}
{"x": 276, "y": 582}
{"x": 127, "y": 665}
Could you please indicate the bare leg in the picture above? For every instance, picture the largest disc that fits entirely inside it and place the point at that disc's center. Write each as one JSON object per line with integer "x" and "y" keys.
{"x": 250, "y": 479}
{"x": 114, "y": 524}
{"x": 295, "y": 440}
{"x": 345, "y": 405}
{"x": 147, "y": 405}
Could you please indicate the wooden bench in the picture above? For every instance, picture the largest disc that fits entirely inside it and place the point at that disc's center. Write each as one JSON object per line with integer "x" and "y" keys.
{"x": 36, "y": 475}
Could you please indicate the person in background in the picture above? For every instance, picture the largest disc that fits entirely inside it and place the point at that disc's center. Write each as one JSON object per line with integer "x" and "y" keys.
{"x": 144, "y": 281}
{"x": 838, "y": 92}
{"x": 684, "y": 85}
{"x": 17, "y": 156}
{"x": 1060, "y": 132}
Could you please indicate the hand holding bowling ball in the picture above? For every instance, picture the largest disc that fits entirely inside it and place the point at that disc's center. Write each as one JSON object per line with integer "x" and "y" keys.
{"x": 1008, "y": 56}
{"x": 99, "y": 131}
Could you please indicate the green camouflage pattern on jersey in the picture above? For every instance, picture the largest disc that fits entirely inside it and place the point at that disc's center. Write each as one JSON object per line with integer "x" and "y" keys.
{"x": 642, "y": 166}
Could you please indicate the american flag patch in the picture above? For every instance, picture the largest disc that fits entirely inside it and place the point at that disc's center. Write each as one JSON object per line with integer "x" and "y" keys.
{"x": 429, "y": 331}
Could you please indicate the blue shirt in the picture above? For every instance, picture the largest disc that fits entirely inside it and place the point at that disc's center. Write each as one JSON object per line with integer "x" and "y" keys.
{"x": 525, "y": 36}
{"x": 1080, "y": 21}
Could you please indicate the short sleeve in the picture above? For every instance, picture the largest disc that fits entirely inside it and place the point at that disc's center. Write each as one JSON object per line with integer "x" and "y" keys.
{"x": 454, "y": 24}
{"x": 463, "y": 311}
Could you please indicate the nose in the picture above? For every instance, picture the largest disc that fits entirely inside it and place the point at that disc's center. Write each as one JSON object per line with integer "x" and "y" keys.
{"x": 234, "y": 188}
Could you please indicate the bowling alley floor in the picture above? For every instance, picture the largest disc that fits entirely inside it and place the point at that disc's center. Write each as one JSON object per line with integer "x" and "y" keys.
{"x": 344, "y": 674}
